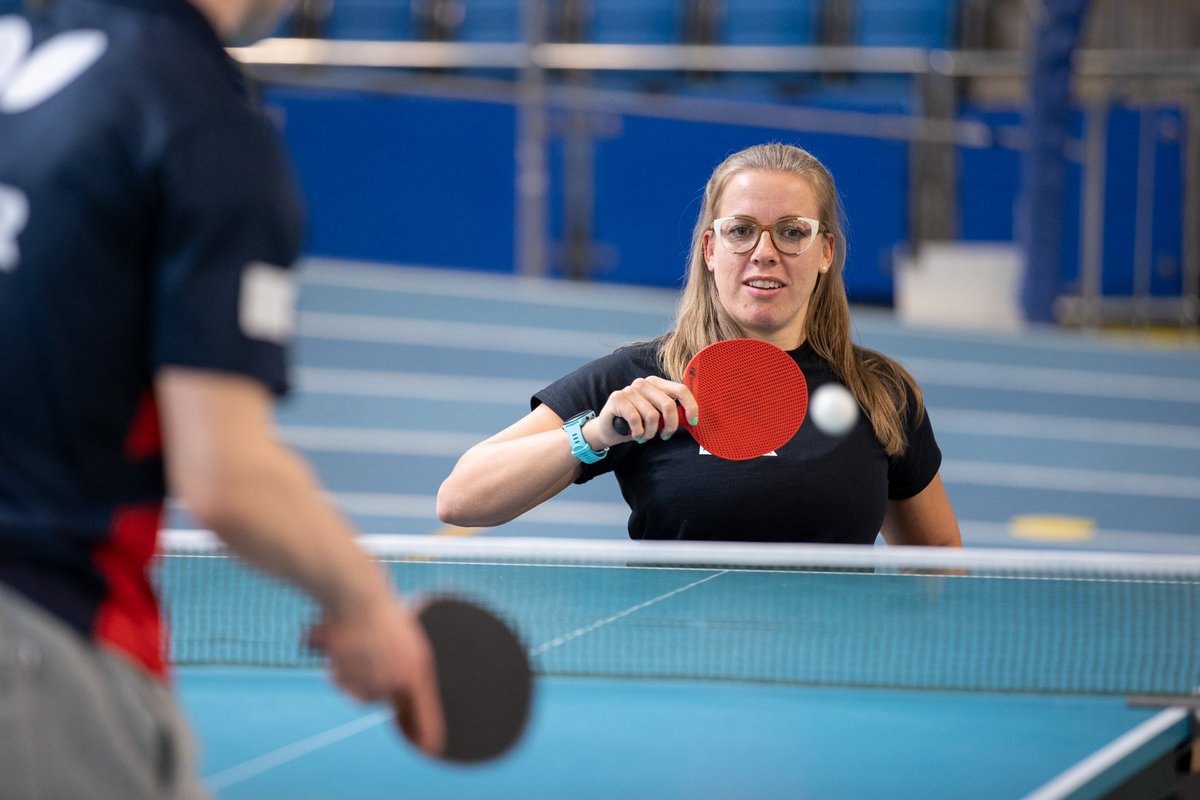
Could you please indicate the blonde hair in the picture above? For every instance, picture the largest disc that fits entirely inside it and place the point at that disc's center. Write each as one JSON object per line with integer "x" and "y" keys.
{"x": 880, "y": 385}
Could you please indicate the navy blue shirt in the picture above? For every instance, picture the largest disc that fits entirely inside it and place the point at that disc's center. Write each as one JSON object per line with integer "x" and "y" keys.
{"x": 148, "y": 218}
{"x": 815, "y": 488}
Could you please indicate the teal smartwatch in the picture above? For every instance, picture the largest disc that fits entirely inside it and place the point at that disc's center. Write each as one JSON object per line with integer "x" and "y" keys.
{"x": 579, "y": 445}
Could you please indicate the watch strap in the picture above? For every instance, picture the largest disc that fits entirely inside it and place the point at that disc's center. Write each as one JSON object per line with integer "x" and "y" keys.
{"x": 579, "y": 445}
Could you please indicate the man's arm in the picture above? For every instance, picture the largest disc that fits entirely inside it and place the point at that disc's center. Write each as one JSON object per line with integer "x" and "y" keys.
{"x": 225, "y": 463}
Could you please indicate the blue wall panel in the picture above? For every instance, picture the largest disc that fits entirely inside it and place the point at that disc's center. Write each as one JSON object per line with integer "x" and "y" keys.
{"x": 650, "y": 181}
{"x": 1121, "y": 181}
{"x": 1167, "y": 235}
{"x": 379, "y": 172}
{"x": 988, "y": 183}
{"x": 417, "y": 180}
{"x": 368, "y": 19}
{"x": 412, "y": 179}
{"x": 1121, "y": 198}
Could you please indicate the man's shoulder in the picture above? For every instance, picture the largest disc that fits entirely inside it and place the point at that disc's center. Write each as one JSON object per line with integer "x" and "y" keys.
{"x": 154, "y": 52}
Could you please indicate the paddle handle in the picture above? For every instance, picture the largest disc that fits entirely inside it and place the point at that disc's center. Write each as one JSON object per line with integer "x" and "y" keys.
{"x": 622, "y": 427}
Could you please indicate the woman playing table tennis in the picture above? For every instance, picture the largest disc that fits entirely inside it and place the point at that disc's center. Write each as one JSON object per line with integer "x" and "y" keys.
{"x": 766, "y": 263}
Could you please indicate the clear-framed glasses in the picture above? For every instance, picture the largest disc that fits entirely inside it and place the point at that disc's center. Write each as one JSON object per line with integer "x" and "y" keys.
{"x": 791, "y": 235}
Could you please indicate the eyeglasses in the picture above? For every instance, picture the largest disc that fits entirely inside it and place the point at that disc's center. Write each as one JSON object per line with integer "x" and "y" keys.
{"x": 791, "y": 235}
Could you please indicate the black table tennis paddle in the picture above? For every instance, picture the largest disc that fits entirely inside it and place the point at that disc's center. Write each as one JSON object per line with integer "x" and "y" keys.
{"x": 484, "y": 680}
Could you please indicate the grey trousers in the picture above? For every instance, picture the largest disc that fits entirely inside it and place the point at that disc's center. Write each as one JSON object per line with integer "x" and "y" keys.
{"x": 79, "y": 721}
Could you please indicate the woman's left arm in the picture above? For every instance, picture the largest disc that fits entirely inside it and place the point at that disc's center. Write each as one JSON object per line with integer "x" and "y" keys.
{"x": 926, "y": 518}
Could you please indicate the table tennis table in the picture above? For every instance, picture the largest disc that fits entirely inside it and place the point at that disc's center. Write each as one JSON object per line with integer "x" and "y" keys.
{"x": 733, "y": 672}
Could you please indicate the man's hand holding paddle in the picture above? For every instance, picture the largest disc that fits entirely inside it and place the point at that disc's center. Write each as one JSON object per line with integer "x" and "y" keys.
{"x": 456, "y": 675}
{"x": 379, "y": 651}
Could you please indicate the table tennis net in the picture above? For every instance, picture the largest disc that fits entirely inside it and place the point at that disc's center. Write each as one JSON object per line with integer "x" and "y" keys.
{"x": 921, "y": 618}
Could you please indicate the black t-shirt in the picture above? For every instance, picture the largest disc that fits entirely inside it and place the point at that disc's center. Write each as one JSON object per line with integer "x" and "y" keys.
{"x": 816, "y": 488}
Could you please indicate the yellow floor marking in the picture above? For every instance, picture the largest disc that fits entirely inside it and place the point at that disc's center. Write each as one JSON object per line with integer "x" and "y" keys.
{"x": 1155, "y": 337}
{"x": 446, "y": 530}
{"x": 454, "y": 530}
{"x": 1052, "y": 528}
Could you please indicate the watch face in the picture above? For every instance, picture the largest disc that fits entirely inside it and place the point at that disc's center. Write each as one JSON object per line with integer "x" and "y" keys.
{"x": 582, "y": 416}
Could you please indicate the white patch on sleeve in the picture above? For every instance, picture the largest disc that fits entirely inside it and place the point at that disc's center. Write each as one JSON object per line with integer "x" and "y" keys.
{"x": 267, "y": 305}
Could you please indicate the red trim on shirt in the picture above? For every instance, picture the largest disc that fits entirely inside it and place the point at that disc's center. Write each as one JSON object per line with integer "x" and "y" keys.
{"x": 145, "y": 436}
{"x": 128, "y": 618}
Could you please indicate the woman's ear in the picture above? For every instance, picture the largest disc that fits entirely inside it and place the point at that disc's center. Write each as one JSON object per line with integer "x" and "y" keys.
{"x": 827, "y": 248}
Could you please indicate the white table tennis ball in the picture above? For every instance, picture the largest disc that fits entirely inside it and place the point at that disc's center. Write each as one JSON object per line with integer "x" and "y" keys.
{"x": 834, "y": 410}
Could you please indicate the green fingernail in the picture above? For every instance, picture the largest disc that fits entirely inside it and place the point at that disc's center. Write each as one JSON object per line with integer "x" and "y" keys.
{"x": 665, "y": 438}
{"x": 639, "y": 440}
{"x": 695, "y": 420}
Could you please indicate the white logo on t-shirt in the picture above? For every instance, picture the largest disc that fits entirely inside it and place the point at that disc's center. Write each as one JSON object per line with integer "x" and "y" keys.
{"x": 14, "y": 213}
{"x": 28, "y": 78}
{"x": 704, "y": 452}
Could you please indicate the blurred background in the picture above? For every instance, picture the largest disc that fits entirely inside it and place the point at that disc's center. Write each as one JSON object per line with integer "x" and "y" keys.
{"x": 580, "y": 134}
{"x": 1060, "y": 133}
{"x": 502, "y": 190}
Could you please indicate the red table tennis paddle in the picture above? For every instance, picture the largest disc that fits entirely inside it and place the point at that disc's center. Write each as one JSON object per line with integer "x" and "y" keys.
{"x": 752, "y": 396}
{"x": 484, "y": 680}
